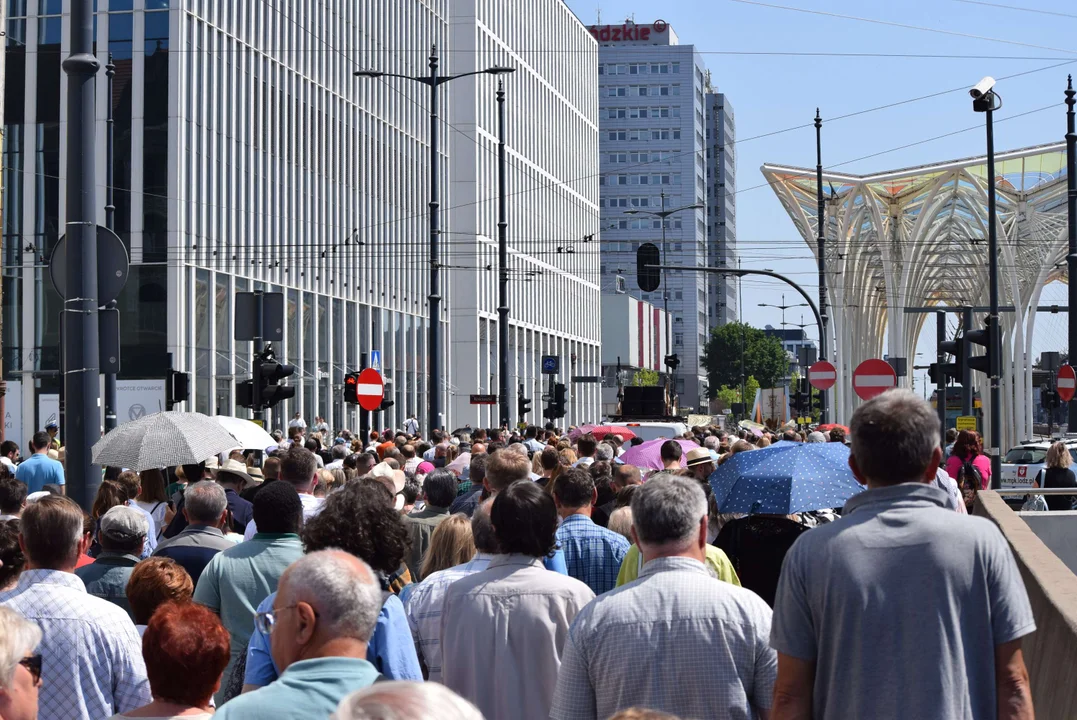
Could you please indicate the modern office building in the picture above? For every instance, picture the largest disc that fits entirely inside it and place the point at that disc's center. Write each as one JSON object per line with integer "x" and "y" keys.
{"x": 551, "y": 112}
{"x": 653, "y": 154}
{"x": 794, "y": 341}
{"x": 249, "y": 157}
{"x": 721, "y": 137}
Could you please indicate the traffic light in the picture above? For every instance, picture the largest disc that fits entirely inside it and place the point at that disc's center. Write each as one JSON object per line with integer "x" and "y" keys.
{"x": 351, "y": 381}
{"x": 523, "y": 407}
{"x": 269, "y": 372}
{"x": 980, "y": 363}
{"x": 804, "y": 398}
{"x": 245, "y": 394}
{"x": 386, "y": 403}
{"x": 177, "y": 388}
{"x": 940, "y": 372}
{"x": 648, "y": 278}
{"x": 557, "y": 407}
{"x": 672, "y": 361}
{"x": 1049, "y": 397}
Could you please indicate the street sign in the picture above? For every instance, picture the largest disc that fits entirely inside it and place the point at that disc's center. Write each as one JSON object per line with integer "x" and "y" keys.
{"x": 965, "y": 422}
{"x": 1067, "y": 383}
{"x": 873, "y": 377}
{"x": 587, "y": 378}
{"x": 113, "y": 266}
{"x": 272, "y": 329}
{"x": 547, "y": 397}
{"x": 822, "y": 375}
{"x": 375, "y": 359}
{"x": 370, "y": 389}
{"x": 551, "y": 364}
{"x": 484, "y": 399}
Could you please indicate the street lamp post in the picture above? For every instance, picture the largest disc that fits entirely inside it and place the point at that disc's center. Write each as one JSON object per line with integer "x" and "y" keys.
{"x": 502, "y": 262}
{"x": 1071, "y": 231}
{"x": 662, "y": 215}
{"x": 783, "y": 307}
{"x": 820, "y": 241}
{"x": 434, "y": 81}
{"x": 984, "y": 101}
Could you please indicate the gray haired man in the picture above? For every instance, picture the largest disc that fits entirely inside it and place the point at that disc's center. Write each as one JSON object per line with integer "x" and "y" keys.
{"x": 676, "y": 639}
{"x": 900, "y": 593}
{"x": 322, "y": 619}
{"x": 205, "y": 505}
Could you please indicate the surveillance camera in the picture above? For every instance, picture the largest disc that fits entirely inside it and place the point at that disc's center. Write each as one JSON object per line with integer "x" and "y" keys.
{"x": 982, "y": 88}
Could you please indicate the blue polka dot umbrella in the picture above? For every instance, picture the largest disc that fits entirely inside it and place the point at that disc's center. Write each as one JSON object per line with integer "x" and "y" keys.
{"x": 785, "y": 478}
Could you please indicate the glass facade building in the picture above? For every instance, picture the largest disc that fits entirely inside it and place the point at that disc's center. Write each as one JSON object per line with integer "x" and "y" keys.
{"x": 247, "y": 156}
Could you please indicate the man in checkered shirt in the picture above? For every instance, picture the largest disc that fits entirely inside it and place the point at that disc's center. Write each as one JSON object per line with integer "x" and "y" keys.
{"x": 92, "y": 665}
{"x": 593, "y": 554}
{"x": 676, "y": 639}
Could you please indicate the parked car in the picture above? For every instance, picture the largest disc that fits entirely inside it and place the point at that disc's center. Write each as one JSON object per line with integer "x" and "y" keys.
{"x": 1023, "y": 462}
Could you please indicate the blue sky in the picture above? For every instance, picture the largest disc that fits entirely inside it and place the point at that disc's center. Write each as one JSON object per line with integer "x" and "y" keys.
{"x": 774, "y": 92}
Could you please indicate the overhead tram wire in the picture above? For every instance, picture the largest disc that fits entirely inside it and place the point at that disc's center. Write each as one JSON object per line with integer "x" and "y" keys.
{"x": 352, "y": 231}
{"x": 890, "y": 23}
{"x": 557, "y": 183}
{"x": 1021, "y": 9}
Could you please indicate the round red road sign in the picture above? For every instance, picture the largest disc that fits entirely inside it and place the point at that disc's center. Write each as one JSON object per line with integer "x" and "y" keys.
{"x": 370, "y": 389}
{"x": 873, "y": 377}
{"x": 822, "y": 375}
{"x": 1067, "y": 383}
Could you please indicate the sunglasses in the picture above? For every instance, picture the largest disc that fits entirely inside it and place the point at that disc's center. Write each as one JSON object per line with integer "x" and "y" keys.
{"x": 32, "y": 664}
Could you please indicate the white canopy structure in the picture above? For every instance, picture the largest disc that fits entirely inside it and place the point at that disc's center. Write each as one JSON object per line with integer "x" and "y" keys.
{"x": 917, "y": 237}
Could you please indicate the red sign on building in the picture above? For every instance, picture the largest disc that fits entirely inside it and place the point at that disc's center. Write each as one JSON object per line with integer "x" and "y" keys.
{"x": 627, "y": 32}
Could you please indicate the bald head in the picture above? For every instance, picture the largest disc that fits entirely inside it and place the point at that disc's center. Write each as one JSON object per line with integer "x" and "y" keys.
{"x": 340, "y": 587}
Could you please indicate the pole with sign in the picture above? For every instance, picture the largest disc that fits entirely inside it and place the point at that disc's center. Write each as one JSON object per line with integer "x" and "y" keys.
{"x": 1067, "y": 383}
{"x": 370, "y": 389}
{"x": 873, "y": 377}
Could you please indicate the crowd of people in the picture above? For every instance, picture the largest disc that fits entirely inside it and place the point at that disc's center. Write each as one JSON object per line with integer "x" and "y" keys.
{"x": 519, "y": 575}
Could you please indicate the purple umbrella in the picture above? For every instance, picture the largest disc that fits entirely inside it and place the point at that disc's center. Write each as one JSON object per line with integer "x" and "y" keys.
{"x": 648, "y": 455}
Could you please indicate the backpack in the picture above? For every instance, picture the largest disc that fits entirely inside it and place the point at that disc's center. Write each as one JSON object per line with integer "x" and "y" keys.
{"x": 970, "y": 482}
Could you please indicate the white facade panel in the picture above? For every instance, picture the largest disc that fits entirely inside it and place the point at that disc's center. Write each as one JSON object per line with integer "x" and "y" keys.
{"x": 551, "y": 107}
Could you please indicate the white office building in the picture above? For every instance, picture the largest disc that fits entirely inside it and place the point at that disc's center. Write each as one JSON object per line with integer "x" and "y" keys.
{"x": 249, "y": 157}
{"x": 551, "y": 109}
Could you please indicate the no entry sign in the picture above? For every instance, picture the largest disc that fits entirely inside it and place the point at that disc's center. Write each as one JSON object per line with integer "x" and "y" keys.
{"x": 873, "y": 377}
{"x": 370, "y": 389}
{"x": 1067, "y": 382}
{"x": 822, "y": 375}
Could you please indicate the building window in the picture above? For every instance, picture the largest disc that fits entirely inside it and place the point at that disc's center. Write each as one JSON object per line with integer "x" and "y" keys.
{"x": 155, "y": 140}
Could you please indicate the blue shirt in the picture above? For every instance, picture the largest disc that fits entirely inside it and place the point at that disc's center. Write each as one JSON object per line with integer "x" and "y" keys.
{"x": 592, "y": 553}
{"x": 39, "y": 470}
{"x": 391, "y": 650}
{"x": 307, "y": 689}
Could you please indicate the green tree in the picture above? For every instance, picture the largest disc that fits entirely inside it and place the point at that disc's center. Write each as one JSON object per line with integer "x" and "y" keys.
{"x": 730, "y": 395}
{"x": 645, "y": 378}
{"x": 764, "y": 358}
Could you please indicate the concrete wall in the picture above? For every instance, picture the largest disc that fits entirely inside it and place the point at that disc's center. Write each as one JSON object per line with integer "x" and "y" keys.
{"x": 1058, "y": 531}
{"x": 1051, "y": 651}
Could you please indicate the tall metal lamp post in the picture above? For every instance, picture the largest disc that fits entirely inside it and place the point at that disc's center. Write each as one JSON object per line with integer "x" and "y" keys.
{"x": 434, "y": 81}
{"x": 984, "y": 100}
{"x": 1071, "y": 231}
{"x": 783, "y": 307}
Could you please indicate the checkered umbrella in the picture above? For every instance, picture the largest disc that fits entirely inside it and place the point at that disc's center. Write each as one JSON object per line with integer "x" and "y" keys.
{"x": 162, "y": 440}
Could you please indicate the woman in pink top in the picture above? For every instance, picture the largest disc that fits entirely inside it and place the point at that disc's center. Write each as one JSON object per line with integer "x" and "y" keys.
{"x": 969, "y": 448}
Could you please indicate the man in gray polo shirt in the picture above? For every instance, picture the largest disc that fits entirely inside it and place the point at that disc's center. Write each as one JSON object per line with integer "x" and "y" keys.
{"x": 902, "y": 608}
